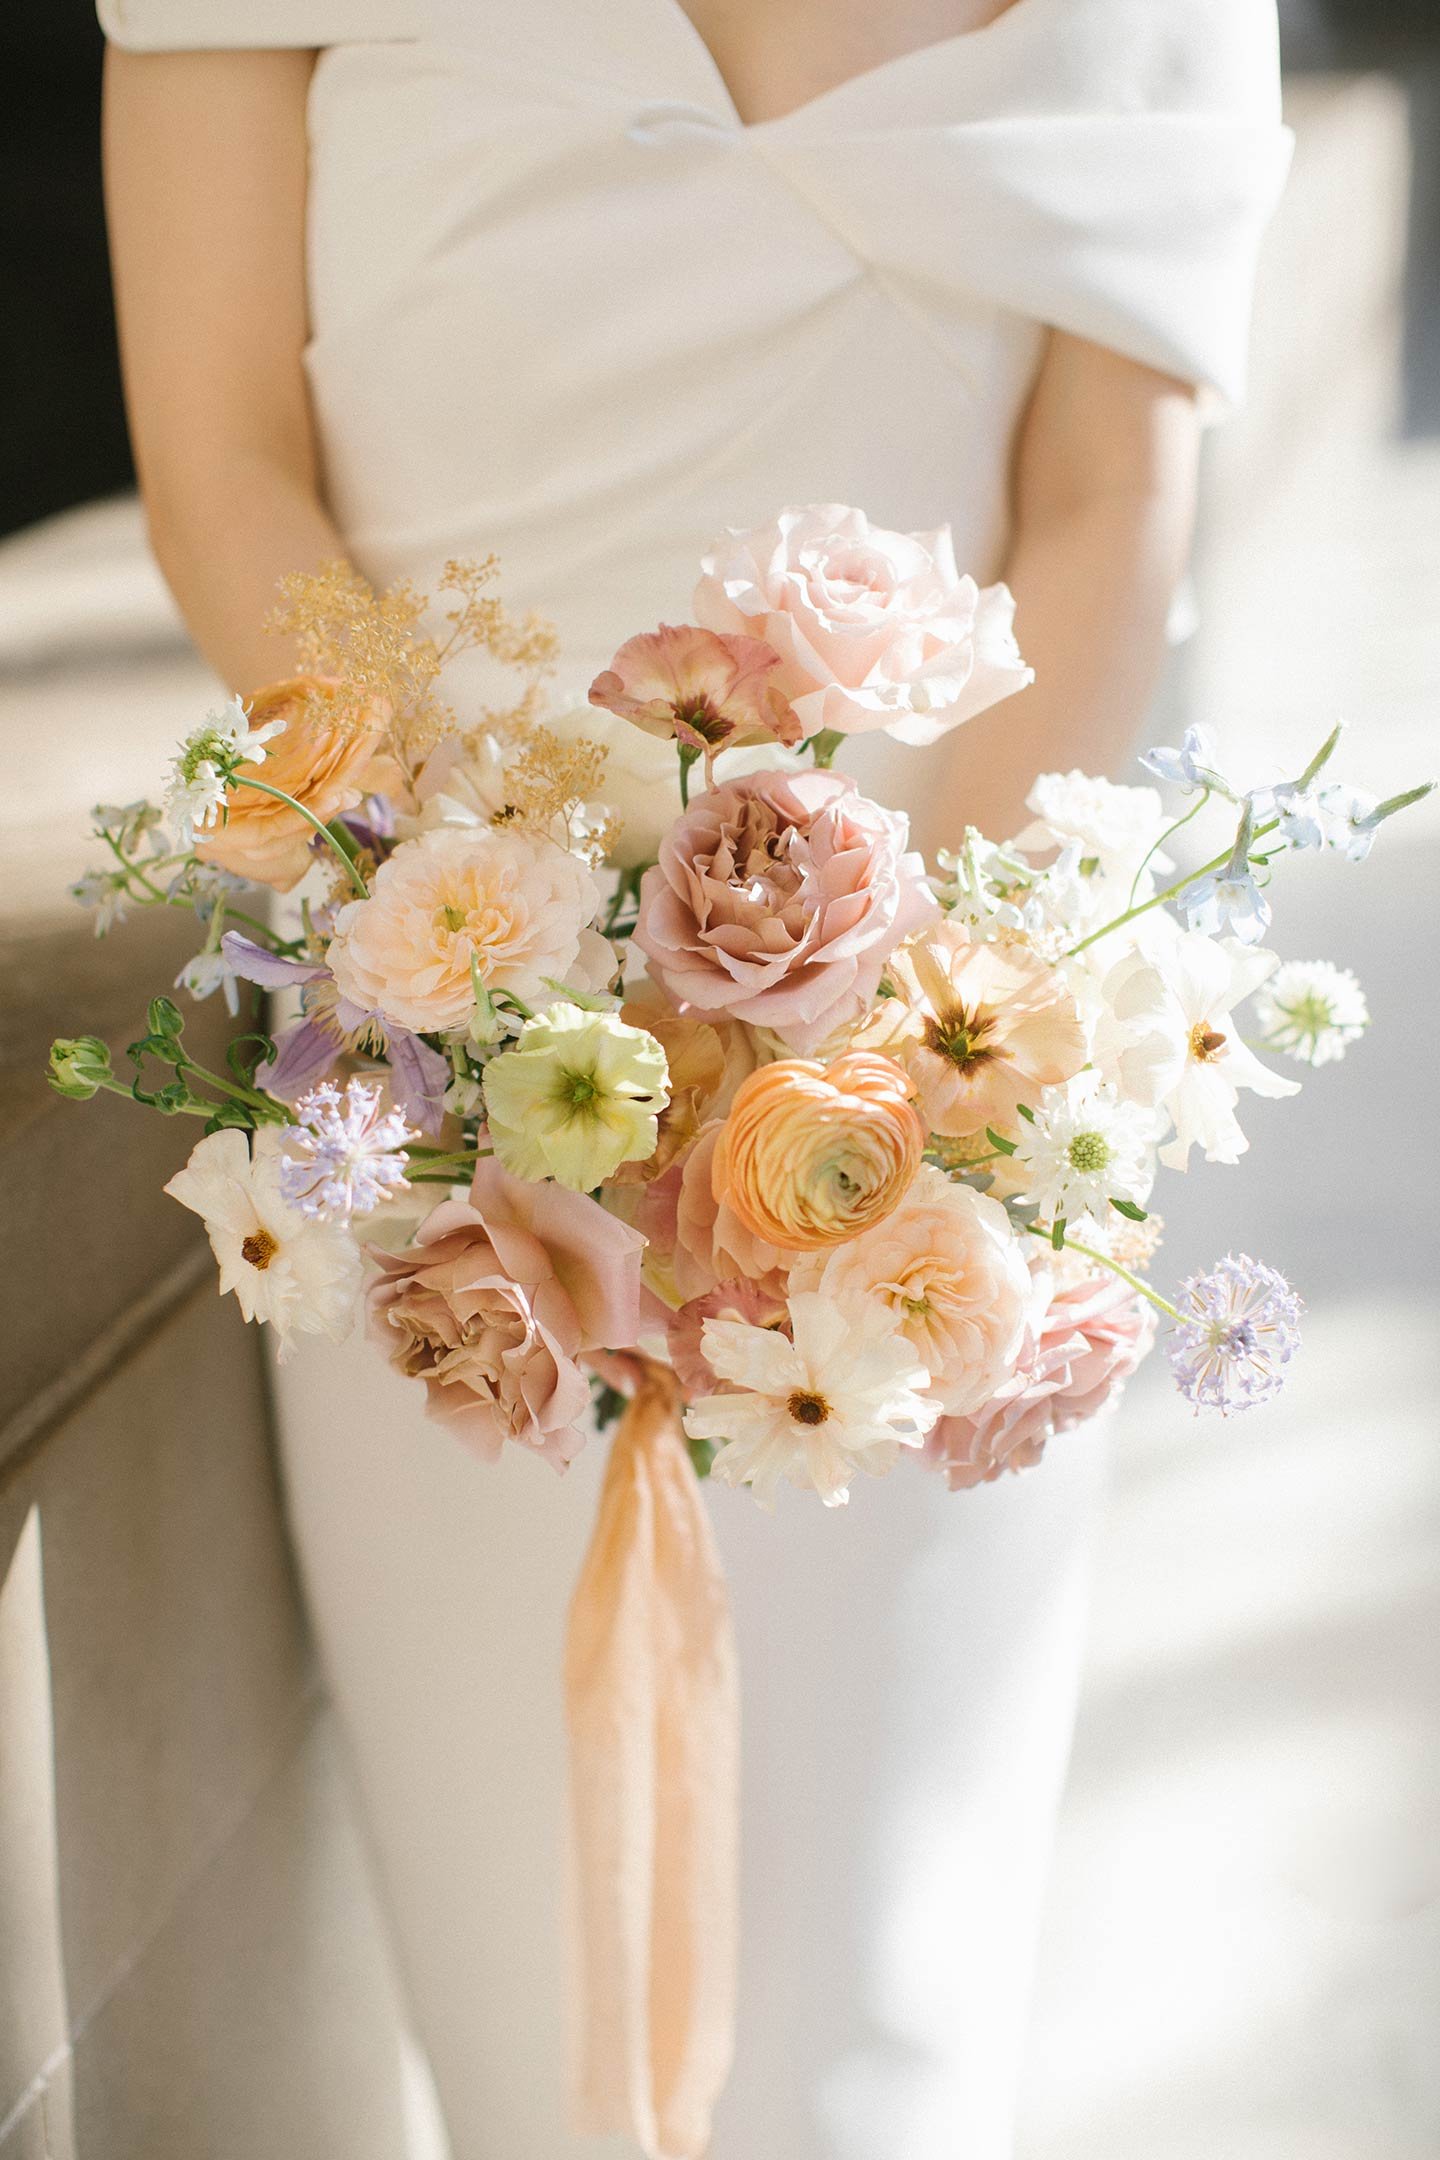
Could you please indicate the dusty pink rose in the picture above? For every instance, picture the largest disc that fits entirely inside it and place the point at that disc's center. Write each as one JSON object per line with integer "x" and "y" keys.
{"x": 762, "y": 1304}
{"x": 875, "y": 629}
{"x": 712, "y": 690}
{"x": 696, "y": 1240}
{"x": 495, "y": 1301}
{"x": 1086, "y": 1338}
{"x": 776, "y": 900}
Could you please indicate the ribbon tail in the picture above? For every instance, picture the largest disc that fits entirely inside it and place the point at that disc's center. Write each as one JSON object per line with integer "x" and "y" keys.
{"x": 652, "y": 1705}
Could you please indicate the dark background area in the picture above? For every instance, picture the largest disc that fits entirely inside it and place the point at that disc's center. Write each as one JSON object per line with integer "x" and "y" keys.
{"x": 59, "y": 372}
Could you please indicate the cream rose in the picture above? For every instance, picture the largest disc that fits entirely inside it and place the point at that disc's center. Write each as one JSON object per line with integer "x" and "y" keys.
{"x": 519, "y": 907}
{"x": 875, "y": 630}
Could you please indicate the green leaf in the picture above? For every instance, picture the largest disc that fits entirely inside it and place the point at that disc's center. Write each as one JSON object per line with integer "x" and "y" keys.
{"x": 228, "y": 1116}
{"x": 998, "y": 1141}
{"x": 1026, "y": 1112}
{"x": 1057, "y": 1233}
{"x": 702, "y": 1454}
{"x": 1128, "y": 1209}
{"x": 824, "y": 746}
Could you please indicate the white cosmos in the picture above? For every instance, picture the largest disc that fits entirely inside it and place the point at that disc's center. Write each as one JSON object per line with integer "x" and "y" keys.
{"x": 844, "y": 1396}
{"x": 301, "y": 1276}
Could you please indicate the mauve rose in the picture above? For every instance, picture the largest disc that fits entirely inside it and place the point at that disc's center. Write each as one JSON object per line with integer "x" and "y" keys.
{"x": 777, "y": 899}
{"x": 495, "y": 1300}
{"x": 1087, "y": 1336}
{"x": 875, "y": 629}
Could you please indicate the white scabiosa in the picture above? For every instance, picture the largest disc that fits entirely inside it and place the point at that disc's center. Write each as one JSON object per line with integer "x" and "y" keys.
{"x": 844, "y": 1396}
{"x": 284, "y": 1267}
{"x": 1083, "y": 1149}
{"x": 580, "y": 1093}
{"x": 204, "y": 766}
{"x": 1311, "y": 1010}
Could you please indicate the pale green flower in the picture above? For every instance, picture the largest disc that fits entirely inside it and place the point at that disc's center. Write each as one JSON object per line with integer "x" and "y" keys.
{"x": 578, "y": 1095}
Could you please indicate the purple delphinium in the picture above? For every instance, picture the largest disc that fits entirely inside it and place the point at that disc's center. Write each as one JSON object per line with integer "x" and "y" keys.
{"x": 346, "y": 1152}
{"x": 1238, "y": 1327}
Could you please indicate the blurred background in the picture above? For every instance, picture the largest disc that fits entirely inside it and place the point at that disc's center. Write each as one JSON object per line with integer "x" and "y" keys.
{"x": 1242, "y": 1956}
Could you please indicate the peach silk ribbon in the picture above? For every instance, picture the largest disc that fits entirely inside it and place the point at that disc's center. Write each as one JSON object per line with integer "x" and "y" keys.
{"x": 652, "y": 1703}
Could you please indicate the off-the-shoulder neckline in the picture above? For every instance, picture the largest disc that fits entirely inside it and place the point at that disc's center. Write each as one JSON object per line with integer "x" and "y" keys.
{"x": 852, "y": 86}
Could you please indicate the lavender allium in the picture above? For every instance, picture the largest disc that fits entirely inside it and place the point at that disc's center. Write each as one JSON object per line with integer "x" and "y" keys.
{"x": 345, "y": 1155}
{"x": 1239, "y": 1326}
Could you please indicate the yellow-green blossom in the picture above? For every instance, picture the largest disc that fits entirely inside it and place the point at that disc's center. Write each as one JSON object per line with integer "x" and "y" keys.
{"x": 578, "y": 1095}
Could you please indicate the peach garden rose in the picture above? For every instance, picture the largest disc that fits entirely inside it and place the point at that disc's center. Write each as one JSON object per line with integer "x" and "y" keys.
{"x": 515, "y": 905}
{"x": 329, "y": 767}
{"x": 948, "y": 1266}
{"x": 876, "y": 630}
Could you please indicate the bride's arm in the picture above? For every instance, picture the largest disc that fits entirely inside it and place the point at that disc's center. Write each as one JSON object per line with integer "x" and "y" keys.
{"x": 205, "y": 171}
{"x": 1104, "y": 495}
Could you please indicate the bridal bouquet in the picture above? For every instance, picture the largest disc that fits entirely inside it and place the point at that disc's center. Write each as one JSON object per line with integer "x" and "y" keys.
{"x": 697, "y": 1060}
{"x": 630, "y": 1051}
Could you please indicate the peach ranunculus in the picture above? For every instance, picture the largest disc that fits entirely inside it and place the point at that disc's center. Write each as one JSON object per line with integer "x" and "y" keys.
{"x": 777, "y": 899}
{"x": 494, "y": 1302}
{"x": 327, "y": 766}
{"x": 949, "y": 1267}
{"x": 711, "y": 690}
{"x": 810, "y": 1155}
{"x": 981, "y": 1028}
{"x": 513, "y": 903}
{"x": 707, "y": 1060}
{"x": 1084, "y": 1340}
{"x": 875, "y": 629}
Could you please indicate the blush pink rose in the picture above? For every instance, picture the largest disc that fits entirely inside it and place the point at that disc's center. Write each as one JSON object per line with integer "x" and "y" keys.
{"x": 875, "y": 630}
{"x": 1086, "y": 1338}
{"x": 495, "y": 1301}
{"x": 777, "y": 899}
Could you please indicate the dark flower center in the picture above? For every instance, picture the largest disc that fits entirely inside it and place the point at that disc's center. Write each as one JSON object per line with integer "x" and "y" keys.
{"x": 1205, "y": 1044}
{"x": 966, "y": 1038}
{"x": 808, "y": 1409}
{"x": 259, "y": 1248}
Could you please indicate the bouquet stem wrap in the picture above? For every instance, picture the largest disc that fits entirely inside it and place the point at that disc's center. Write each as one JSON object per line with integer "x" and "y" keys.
{"x": 652, "y": 1703}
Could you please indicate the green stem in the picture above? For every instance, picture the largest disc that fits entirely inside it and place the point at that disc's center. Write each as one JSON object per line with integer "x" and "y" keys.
{"x": 279, "y": 795}
{"x": 274, "y": 1112}
{"x": 1168, "y": 834}
{"x": 287, "y": 946}
{"x": 1217, "y": 862}
{"x": 1136, "y": 1282}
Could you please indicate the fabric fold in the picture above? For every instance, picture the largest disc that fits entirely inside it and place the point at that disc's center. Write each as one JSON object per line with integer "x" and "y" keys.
{"x": 652, "y": 1706}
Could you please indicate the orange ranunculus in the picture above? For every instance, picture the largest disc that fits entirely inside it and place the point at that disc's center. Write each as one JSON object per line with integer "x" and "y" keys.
{"x": 811, "y": 1155}
{"x": 329, "y": 766}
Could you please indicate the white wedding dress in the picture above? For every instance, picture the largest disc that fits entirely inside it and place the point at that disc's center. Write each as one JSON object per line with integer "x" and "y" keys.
{"x": 567, "y": 307}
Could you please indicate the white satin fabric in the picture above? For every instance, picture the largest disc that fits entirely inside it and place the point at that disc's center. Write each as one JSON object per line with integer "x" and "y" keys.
{"x": 568, "y": 308}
